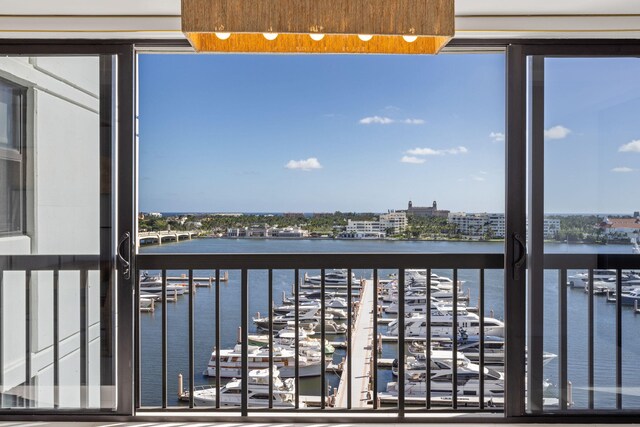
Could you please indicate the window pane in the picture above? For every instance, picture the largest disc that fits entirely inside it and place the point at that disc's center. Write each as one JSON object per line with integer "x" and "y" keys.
{"x": 10, "y": 115}
{"x": 11, "y": 194}
{"x": 57, "y": 336}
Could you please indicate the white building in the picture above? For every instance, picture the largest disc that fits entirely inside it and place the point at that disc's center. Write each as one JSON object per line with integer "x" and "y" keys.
{"x": 364, "y": 226}
{"x": 470, "y": 224}
{"x": 479, "y": 224}
{"x": 618, "y": 227}
{"x": 289, "y": 233}
{"x": 551, "y": 228}
{"x": 497, "y": 224}
{"x": 395, "y": 220}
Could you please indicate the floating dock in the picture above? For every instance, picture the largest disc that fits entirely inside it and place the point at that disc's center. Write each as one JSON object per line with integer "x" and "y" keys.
{"x": 360, "y": 353}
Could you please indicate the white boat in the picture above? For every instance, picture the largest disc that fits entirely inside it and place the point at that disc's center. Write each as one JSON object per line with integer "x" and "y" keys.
{"x": 629, "y": 297}
{"x": 287, "y": 338}
{"x": 147, "y": 279}
{"x": 390, "y": 294}
{"x": 468, "y": 384}
{"x": 306, "y": 319}
{"x": 282, "y": 395}
{"x": 420, "y": 276}
{"x": 172, "y": 290}
{"x": 416, "y": 302}
{"x": 336, "y": 302}
{"x": 332, "y": 279}
{"x": 635, "y": 249}
{"x": 258, "y": 358}
{"x": 153, "y": 285}
{"x": 438, "y": 360}
{"x": 469, "y": 345}
{"x": 442, "y": 324}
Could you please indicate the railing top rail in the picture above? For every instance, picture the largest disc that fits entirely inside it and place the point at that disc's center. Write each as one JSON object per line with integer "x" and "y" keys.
{"x": 49, "y": 262}
{"x": 584, "y": 261}
{"x": 287, "y": 261}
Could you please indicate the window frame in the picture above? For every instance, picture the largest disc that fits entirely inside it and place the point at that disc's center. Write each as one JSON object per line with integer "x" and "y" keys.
{"x": 18, "y": 153}
{"x": 515, "y": 194}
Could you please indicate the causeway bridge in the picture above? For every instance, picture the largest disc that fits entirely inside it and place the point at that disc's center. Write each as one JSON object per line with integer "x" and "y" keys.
{"x": 160, "y": 237}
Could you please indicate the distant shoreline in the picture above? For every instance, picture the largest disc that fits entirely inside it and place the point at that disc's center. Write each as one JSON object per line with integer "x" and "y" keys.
{"x": 379, "y": 240}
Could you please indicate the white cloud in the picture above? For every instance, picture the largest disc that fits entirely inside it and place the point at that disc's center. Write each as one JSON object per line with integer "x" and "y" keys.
{"x": 424, "y": 152}
{"x": 305, "y": 165}
{"x": 497, "y": 136}
{"x": 376, "y": 120}
{"x": 412, "y": 159}
{"x": 557, "y": 132}
{"x": 622, "y": 169}
{"x": 631, "y": 147}
{"x": 457, "y": 150}
{"x": 413, "y": 121}
{"x": 431, "y": 152}
{"x": 477, "y": 178}
{"x": 382, "y": 120}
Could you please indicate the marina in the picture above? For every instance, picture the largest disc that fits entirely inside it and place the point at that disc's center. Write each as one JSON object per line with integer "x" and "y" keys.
{"x": 364, "y": 344}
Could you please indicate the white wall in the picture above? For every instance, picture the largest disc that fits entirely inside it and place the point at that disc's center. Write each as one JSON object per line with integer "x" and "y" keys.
{"x": 63, "y": 218}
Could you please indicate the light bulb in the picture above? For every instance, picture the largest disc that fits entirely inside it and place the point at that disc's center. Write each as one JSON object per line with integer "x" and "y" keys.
{"x": 270, "y": 36}
{"x": 410, "y": 39}
{"x": 317, "y": 37}
{"x": 365, "y": 37}
{"x": 223, "y": 36}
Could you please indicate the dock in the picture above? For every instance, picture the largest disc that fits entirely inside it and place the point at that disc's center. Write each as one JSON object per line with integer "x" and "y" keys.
{"x": 360, "y": 353}
{"x": 199, "y": 281}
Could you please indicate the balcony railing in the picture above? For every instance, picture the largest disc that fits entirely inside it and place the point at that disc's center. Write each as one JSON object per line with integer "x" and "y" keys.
{"x": 295, "y": 265}
{"x": 621, "y": 341}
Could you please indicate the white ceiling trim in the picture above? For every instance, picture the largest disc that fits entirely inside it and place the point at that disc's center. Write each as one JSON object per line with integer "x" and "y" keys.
{"x": 463, "y": 7}
{"x": 163, "y": 27}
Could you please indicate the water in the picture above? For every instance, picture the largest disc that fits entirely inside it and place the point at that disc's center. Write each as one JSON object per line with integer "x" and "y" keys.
{"x": 204, "y": 315}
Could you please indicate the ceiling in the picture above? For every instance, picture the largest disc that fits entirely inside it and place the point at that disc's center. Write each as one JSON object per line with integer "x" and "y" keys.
{"x": 152, "y": 19}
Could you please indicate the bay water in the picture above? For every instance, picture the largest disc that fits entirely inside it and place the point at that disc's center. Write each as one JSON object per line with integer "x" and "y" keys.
{"x": 204, "y": 315}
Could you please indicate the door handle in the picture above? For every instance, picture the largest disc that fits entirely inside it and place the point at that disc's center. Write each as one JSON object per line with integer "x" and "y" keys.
{"x": 519, "y": 262}
{"x": 125, "y": 261}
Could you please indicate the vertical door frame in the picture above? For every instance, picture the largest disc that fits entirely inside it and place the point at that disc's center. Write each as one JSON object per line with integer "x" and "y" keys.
{"x": 514, "y": 251}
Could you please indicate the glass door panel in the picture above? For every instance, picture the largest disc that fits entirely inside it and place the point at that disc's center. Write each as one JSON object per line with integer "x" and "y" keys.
{"x": 57, "y": 329}
{"x": 584, "y": 161}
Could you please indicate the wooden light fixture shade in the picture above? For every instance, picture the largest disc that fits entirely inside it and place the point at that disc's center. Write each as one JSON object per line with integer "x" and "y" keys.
{"x": 241, "y": 24}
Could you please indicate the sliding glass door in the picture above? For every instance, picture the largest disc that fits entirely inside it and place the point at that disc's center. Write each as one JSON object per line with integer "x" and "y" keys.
{"x": 583, "y": 228}
{"x": 63, "y": 304}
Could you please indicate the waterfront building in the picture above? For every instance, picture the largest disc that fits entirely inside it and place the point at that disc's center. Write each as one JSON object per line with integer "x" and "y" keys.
{"x": 289, "y": 233}
{"x": 257, "y": 231}
{"x": 354, "y": 226}
{"x": 551, "y": 227}
{"x": 621, "y": 227}
{"x": 395, "y": 220}
{"x": 426, "y": 211}
{"x": 471, "y": 224}
{"x": 493, "y": 225}
{"x": 497, "y": 225}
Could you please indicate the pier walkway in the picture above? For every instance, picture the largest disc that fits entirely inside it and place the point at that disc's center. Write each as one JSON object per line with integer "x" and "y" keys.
{"x": 360, "y": 353}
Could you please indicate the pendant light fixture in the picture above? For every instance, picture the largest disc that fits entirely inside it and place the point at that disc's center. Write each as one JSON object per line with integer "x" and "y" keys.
{"x": 319, "y": 26}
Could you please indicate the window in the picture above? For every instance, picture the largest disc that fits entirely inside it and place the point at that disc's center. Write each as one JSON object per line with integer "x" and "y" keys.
{"x": 12, "y": 164}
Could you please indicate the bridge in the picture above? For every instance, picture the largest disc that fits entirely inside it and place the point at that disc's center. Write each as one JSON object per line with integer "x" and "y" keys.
{"x": 159, "y": 237}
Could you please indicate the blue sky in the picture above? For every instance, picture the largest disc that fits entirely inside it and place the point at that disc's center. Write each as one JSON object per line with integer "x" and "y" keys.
{"x": 274, "y": 133}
